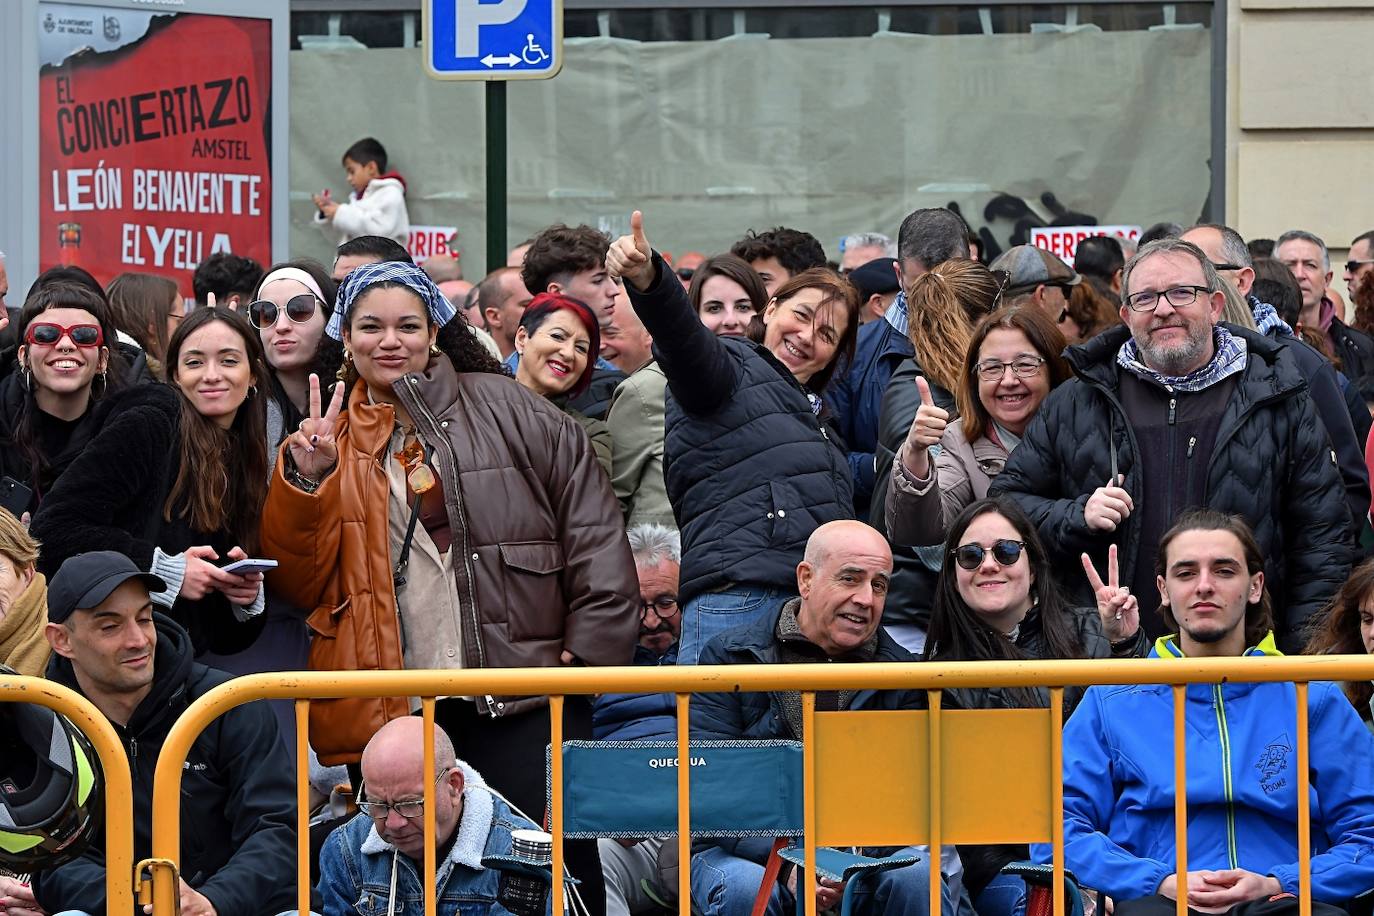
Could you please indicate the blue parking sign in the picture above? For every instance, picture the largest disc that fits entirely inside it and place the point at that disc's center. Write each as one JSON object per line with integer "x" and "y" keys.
{"x": 493, "y": 39}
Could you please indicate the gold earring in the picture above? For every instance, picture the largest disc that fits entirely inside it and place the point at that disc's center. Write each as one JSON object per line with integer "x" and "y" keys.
{"x": 342, "y": 374}
{"x": 434, "y": 350}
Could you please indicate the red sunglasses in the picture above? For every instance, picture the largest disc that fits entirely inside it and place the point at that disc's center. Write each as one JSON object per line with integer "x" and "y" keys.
{"x": 47, "y": 334}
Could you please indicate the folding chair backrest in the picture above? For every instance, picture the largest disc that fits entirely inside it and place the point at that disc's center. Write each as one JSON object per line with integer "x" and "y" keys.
{"x": 873, "y": 777}
{"x": 629, "y": 788}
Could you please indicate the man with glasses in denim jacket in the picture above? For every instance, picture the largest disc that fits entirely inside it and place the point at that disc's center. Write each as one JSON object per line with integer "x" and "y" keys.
{"x": 1177, "y": 410}
{"x": 373, "y": 864}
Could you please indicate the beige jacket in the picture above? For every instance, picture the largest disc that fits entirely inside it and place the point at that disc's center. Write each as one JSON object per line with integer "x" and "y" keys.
{"x": 918, "y": 513}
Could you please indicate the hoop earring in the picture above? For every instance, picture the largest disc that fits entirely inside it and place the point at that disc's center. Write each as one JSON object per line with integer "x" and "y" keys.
{"x": 252, "y": 391}
{"x": 342, "y": 374}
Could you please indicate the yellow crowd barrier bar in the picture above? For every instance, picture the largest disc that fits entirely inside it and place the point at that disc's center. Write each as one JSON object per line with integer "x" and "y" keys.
{"x": 934, "y": 699}
{"x": 556, "y": 798}
{"x": 1304, "y": 808}
{"x": 1057, "y": 798}
{"x": 807, "y": 883}
{"x": 302, "y": 805}
{"x": 806, "y": 679}
{"x": 1180, "y": 693}
{"x": 684, "y": 801}
{"x": 431, "y": 845}
{"x": 120, "y": 879}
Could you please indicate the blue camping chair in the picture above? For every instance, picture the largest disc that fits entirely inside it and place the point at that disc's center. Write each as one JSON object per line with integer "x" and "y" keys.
{"x": 628, "y": 789}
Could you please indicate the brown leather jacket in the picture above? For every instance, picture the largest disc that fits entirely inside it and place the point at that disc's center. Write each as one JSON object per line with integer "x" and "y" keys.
{"x": 545, "y": 565}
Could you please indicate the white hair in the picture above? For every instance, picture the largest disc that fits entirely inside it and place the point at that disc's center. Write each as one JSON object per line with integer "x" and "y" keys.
{"x": 652, "y": 544}
{"x": 870, "y": 240}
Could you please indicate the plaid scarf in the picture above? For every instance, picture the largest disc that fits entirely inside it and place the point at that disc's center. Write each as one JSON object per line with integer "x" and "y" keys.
{"x": 1229, "y": 358}
{"x": 896, "y": 314}
{"x": 1267, "y": 318}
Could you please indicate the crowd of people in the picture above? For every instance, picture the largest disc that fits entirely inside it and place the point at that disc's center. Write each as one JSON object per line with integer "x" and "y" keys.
{"x": 595, "y": 457}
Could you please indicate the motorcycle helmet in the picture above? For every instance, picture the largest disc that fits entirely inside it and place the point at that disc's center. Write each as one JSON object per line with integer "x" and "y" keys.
{"x": 51, "y": 795}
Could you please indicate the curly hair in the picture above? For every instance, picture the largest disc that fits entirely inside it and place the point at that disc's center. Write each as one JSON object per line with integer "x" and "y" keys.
{"x": 794, "y": 249}
{"x": 561, "y": 251}
{"x": 455, "y": 340}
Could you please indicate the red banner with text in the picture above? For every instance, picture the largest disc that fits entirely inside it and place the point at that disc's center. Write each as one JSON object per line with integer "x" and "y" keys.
{"x": 155, "y": 140}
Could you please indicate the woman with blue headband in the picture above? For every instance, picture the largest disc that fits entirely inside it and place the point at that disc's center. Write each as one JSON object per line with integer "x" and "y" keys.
{"x": 437, "y": 514}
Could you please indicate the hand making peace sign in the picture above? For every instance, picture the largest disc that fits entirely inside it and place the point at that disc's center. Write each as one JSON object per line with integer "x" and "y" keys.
{"x": 1118, "y": 608}
{"x": 312, "y": 446}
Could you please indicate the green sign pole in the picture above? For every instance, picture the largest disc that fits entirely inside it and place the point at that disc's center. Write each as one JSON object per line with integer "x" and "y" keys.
{"x": 496, "y": 174}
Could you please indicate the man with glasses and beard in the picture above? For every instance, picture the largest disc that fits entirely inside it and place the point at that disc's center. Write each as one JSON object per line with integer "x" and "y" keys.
{"x": 1176, "y": 410}
{"x": 374, "y": 863}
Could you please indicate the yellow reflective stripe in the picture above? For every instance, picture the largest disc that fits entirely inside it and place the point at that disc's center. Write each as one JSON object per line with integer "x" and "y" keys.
{"x": 18, "y": 842}
{"x": 85, "y": 778}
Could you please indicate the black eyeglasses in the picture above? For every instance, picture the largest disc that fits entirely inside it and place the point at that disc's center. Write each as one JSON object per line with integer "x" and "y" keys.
{"x": 992, "y": 370}
{"x": 664, "y": 606}
{"x": 1223, "y": 266}
{"x": 409, "y": 808}
{"x": 299, "y": 309}
{"x": 1178, "y": 296}
{"x": 1004, "y": 551}
{"x": 1352, "y": 266}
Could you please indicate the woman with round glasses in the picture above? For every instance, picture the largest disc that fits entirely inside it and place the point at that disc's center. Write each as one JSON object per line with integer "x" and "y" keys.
{"x": 997, "y": 600}
{"x": 1012, "y": 364}
{"x": 289, "y": 309}
{"x": 73, "y": 431}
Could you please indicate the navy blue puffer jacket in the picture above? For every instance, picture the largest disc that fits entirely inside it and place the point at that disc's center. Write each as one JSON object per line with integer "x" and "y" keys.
{"x": 749, "y": 469}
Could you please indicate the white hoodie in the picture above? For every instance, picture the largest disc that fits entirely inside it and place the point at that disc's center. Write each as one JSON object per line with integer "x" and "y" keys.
{"x": 380, "y": 211}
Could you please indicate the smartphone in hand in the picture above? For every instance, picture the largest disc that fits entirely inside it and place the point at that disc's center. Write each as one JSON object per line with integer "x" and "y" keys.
{"x": 247, "y": 567}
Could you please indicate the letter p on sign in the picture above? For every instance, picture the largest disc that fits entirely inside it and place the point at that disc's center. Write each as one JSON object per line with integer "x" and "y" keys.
{"x": 471, "y": 15}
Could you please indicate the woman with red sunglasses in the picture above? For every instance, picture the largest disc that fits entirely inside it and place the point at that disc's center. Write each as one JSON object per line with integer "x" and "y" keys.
{"x": 75, "y": 433}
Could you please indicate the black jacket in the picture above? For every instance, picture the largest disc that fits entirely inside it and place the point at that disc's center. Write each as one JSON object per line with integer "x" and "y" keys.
{"x": 749, "y": 468}
{"x": 1339, "y": 417}
{"x": 238, "y": 830}
{"x": 1355, "y": 349}
{"x": 760, "y": 716}
{"x": 110, "y": 494}
{"x": 1272, "y": 464}
{"x": 595, "y": 402}
{"x": 912, "y": 591}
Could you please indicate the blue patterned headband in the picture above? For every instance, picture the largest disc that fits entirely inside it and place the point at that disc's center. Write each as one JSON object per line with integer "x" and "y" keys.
{"x": 369, "y": 275}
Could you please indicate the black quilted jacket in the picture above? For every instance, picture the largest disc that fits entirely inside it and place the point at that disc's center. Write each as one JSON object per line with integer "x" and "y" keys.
{"x": 1272, "y": 464}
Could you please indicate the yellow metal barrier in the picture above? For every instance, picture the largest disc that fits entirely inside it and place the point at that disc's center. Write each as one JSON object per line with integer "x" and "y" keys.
{"x": 117, "y": 783}
{"x": 945, "y": 731}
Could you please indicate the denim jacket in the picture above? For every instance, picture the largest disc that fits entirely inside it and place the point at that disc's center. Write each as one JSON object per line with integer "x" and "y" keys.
{"x": 356, "y": 863}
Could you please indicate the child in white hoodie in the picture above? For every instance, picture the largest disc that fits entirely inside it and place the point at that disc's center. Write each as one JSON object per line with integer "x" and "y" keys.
{"x": 377, "y": 205}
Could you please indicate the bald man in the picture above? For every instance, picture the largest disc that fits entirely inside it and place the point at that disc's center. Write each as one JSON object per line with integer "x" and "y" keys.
{"x": 387, "y": 837}
{"x": 842, "y": 584}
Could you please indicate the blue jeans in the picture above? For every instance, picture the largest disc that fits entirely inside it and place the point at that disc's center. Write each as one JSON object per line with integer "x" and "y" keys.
{"x": 725, "y": 885}
{"x": 1005, "y": 895}
{"x": 712, "y": 613}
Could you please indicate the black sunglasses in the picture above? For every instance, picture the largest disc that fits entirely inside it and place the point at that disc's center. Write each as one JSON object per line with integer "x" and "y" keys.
{"x": 686, "y": 273}
{"x": 300, "y": 309}
{"x": 1004, "y": 551}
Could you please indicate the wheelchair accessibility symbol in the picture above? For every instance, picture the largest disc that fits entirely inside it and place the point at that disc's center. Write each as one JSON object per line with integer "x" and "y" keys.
{"x": 532, "y": 54}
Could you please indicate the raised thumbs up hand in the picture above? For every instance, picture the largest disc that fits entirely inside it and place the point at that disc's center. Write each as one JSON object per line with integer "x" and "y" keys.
{"x": 926, "y": 430}
{"x": 631, "y": 257}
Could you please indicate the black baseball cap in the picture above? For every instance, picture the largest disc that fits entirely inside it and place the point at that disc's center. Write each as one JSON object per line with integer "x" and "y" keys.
{"x": 877, "y": 276}
{"x": 87, "y": 579}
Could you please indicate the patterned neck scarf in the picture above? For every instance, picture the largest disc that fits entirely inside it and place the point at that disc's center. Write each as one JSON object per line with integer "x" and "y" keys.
{"x": 1229, "y": 358}
{"x": 408, "y": 275}
{"x": 1267, "y": 318}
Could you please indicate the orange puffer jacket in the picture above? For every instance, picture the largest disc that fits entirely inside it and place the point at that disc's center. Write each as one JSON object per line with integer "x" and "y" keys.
{"x": 542, "y": 563}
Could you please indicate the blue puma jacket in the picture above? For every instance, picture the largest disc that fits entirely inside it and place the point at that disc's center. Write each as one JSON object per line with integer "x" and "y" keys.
{"x": 1242, "y": 786}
